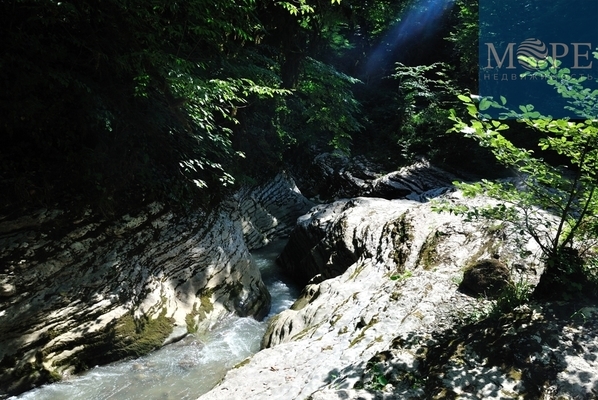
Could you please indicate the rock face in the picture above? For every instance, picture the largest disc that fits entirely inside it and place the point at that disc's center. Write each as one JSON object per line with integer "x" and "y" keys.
{"x": 319, "y": 247}
{"x": 333, "y": 176}
{"x": 270, "y": 210}
{"x": 380, "y": 316}
{"x": 78, "y": 293}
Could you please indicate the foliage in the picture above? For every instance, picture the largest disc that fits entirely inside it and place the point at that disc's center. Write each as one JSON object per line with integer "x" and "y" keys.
{"x": 426, "y": 94}
{"x": 379, "y": 380}
{"x": 374, "y": 379}
{"x": 296, "y": 9}
{"x": 567, "y": 192}
{"x": 464, "y": 36}
{"x": 120, "y": 101}
{"x": 412, "y": 120}
{"x": 512, "y": 296}
{"x": 117, "y": 101}
{"x": 119, "y": 95}
{"x": 401, "y": 277}
{"x": 329, "y": 111}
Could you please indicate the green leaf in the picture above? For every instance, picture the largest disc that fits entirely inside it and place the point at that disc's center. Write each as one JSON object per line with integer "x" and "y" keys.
{"x": 465, "y": 99}
{"x": 472, "y": 110}
{"x": 485, "y": 104}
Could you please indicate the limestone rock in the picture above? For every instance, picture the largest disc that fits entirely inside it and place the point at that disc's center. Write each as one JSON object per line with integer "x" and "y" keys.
{"x": 419, "y": 181}
{"x": 542, "y": 351}
{"x": 332, "y": 237}
{"x": 92, "y": 291}
{"x": 271, "y": 210}
{"x": 334, "y": 176}
{"x": 382, "y": 316}
{"x": 7, "y": 290}
{"x": 321, "y": 346}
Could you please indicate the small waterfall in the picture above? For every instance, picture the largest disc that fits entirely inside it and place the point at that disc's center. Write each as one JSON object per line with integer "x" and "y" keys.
{"x": 186, "y": 369}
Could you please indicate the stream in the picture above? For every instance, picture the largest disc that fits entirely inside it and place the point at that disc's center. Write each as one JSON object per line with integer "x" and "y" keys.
{"x": 186, "y": 369}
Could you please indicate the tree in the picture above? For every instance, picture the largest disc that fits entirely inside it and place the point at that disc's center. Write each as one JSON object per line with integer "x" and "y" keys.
{"x": 115, "y": 101}
{"x": 121, "y": 98}
{"x": 465, "y": 39}
{"x": 568, "y": 192}
{"x": 112, "y": 101}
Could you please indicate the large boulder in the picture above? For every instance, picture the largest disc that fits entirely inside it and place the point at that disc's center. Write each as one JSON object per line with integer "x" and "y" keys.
{"x": 334, "y": 175}
{"x": 78, "y": 291}
{"x": 319, "y": 248}
{"x": 488, "y": 277}
{"x": 332, "y": 237}
{"x": 363, "y": 328}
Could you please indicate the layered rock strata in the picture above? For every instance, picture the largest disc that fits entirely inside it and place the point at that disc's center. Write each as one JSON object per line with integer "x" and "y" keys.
{"x": 334, "y": 176}
{"x": 78, "y": 292}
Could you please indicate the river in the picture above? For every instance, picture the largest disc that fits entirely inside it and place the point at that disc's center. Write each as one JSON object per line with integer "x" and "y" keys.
{"x": 188, "y": 368}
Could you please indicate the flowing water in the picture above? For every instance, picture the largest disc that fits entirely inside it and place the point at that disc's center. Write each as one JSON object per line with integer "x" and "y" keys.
{"x": 186, "y": 369}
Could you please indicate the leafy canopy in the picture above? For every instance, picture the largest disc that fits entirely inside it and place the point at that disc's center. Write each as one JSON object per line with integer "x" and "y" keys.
{"x": 153, "y": 99}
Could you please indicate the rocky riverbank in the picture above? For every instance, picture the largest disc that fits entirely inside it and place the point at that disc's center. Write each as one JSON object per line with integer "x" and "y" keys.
{"x": 78, "y": 291}
{"x": 386, "y": 312}
{"x": 400, "y": 301}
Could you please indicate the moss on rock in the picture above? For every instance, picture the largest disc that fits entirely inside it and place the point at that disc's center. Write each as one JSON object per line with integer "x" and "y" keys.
{"x": 486, "y": 277}
{"x": 242, "y": 363}
{"x": 190, "y": 320}
{"x": 126, "y": 337}
{"x": 206, "y": 302}
{"x": 428, "y": 256}
{"x": 139, "y": 336}
{"x": 401, "y": 232}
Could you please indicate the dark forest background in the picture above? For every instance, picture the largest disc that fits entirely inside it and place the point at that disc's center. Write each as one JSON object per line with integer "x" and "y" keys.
{"x": 110, "y": 103}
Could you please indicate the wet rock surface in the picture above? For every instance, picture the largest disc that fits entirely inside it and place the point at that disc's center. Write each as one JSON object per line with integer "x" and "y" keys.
{"x": 78, "y": 291}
